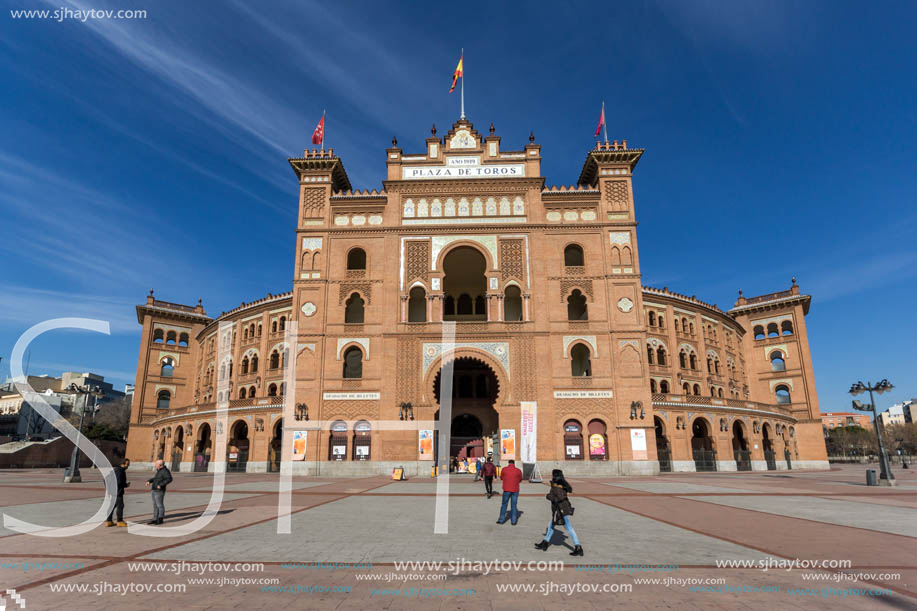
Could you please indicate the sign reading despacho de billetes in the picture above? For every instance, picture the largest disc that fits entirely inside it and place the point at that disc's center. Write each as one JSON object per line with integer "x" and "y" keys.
{"x": 493, "y": 170}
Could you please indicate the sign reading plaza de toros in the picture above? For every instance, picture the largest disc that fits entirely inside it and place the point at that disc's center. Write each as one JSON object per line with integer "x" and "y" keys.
{"x": 464, "y": 167}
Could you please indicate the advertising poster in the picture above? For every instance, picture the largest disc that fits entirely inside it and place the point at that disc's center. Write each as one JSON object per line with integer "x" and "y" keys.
{"x": 426, "y": 445}
{"x": 507, "y": 444}
{"x": 299, "y": 445}
{"x": 638, "y": 443}
{"x": 597, "y": 445}
{"x": 529, "y": 431}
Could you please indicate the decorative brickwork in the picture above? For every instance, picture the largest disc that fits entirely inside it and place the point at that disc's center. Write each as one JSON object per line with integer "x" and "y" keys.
{"x": 616, "y": 194}
{"x": 313, "y": 202}
{"x": 512, "y": 260}
{"x": 417, "y": 261}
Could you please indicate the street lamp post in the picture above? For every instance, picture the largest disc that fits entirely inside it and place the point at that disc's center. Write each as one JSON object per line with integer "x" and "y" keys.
{"x": 72, "y": 475}
{"x": 886, "y": 478}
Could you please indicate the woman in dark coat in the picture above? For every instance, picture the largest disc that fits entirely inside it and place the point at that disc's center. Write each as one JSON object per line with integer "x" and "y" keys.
{"x": 560, "y": 507}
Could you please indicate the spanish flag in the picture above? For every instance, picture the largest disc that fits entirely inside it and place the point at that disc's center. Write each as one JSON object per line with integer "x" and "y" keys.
{"x": 458, "y": 73}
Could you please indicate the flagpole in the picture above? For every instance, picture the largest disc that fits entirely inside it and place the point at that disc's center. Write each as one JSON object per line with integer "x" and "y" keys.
{"x": 463, "y": 82}
{"x": 323, "y": 128}
{"x": 604, "y": 122}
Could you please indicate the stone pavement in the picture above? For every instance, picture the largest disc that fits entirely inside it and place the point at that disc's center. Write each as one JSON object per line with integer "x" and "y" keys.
{"x": 693, "y": 521}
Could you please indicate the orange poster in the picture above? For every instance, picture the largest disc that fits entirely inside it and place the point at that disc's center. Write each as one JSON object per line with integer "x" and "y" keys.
{"x": 507, "y": 444}
{"x": 299, "y": 445}
{"x": 426, "y": 445}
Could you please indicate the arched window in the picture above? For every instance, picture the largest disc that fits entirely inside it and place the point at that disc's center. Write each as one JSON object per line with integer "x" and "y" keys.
{"x": 241, "y": 393}
{"x": 163, "y": 399}
{"x": 683, "y": 360}
{"x": 283, "y": 323}
{"x": 223, "y": 371}
{"x": 686, "y": 389}
{"x": 274, "y": 326}
{"x": 417, "y": 305}
{"x": 652, "y": 385}
{"x": 251, "y": 330}
{"x": 712, "y": 391}
{"x": 649, "y": 354}
{"x": 697, "y": 390}
{"x": 245, "y": 334}
{"x": 353, "y": 312}
{"x": 158, "y": 336}
{"x": 275, "y": 360}
{"x": 772, "y": 330}
{"x": 282, "y": 387}
{"x": 719, "y": 392}
{"x": 254, "y": 365}
{"x": 598, "y": 442}
{"x": 709, "y": 365}
{"x": 183, "y": 339}
{"x": 580, "y": 364}
{"x": 449, "y": 306}
{"x": 783, "y": 394}
{"x": 465, "y": 281}
{"x": 652, "y": 319}
{"x": 259, "y": 329}
{"x": 480, "y": 305}
{"x": 573, "y": 256}
{"x": 777, "y": 362}
{"x": 692, "y": 359}
{"x": 171, "y": 337}
{"x": 576, "y": 306}
{"x": 251, "y": 392}
{"x": 664, "y": 386}
{"x": 573, "y": 440}
{"x": 786, "y": 327}
{"x": 716, "y": 366}
{"x": 691, "y": 328}
{"x": 272, "y": 390}
{"x": 356, "y": 259}
{"x": 512, "y": 304}
{"x": 167, "y": 368}
{"x": 353, "y": 363}
{"x": 660, "y": 356}
{"x": 684, "y": 325}
{"x": 244, "y": 366}
{"x": 660, "y": 321}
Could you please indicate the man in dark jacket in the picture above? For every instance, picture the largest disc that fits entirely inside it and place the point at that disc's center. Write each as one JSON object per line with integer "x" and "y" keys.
{"x": 511, "y": 477}
{"x": 122, "y": 483}
{"x": 489, "y": 470}
{"x": 158, "y": 483}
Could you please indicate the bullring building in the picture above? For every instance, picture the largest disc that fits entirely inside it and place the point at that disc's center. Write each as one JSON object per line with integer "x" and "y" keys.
{"x": 562, "y": 355}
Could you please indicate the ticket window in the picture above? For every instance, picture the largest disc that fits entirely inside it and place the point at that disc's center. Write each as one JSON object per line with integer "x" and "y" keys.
{"x": 362, "y": 441}
{"x": 337, "y": 444}
{"x": 573, "y": 440}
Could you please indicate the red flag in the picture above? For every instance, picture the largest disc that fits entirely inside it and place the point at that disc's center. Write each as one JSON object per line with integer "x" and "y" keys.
{"x": 598, "y": 128}
{"x": 318, "y": 136}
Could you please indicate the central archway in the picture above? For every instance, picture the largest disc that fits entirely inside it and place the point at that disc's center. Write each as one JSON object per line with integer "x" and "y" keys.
{"x": 464, "y": 284}
{"x": 475, "y": 388}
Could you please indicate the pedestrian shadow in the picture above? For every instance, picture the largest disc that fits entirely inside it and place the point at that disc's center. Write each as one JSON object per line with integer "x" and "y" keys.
{"x": 559, "y": 538}
{"x": 189, "y": 515}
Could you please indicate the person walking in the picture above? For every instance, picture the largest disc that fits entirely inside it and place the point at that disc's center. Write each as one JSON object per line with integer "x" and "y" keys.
{"x": 511, "y": 476}
{"x": 122, "y": 483}
{"x": 489, "y": 470}
{"x": 477, "y": 469}
{"x": 158, "y": 483}
{"x": 560, "y": 507}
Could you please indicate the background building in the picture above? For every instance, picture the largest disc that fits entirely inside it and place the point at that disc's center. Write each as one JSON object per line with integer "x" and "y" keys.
{"x": 544, "y": 286}
{"x": 832, "y": 420}
{"x": 899, "y": 413}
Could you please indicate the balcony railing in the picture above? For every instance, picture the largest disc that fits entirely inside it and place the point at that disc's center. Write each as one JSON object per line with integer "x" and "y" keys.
{"x": 700, "y": 400}
{"x": 768, "y": 297}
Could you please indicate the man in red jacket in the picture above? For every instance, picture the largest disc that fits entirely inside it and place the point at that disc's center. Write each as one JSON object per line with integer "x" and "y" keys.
{"x": 511, "y": 477}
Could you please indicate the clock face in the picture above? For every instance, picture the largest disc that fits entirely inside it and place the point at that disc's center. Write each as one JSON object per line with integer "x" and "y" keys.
{"x": 308, "y": 308}
{"x": 462, "y": 140}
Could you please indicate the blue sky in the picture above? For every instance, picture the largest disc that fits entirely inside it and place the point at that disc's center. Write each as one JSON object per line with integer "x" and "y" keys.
{"x": 145, "y": 153}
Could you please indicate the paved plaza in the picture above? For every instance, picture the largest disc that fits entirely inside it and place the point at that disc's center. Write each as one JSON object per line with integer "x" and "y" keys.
{"x": 693, "y": 521}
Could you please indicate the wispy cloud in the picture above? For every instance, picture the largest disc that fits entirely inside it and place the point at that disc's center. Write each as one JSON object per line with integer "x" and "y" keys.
{"x": 23, "y": 307}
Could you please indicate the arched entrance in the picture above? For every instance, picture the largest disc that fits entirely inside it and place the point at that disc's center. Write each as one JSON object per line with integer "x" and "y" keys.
{"x": 702, "y": 446}
{"x": 740, "y": 447}
{"x": 464, "y": 284}
{"x": 662, "y": 447}
{"x": 237, "y": 449}
{"x": 474, "y": 392}
{"x": 274, "y": 454}
{"x": 768, "y": 445}
{"x": 203, "y": 449}
{"x": 178, "y": 447}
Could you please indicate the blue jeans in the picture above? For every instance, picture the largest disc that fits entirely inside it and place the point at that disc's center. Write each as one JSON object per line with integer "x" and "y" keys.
{"x": 514, "y": 514}
{"x": 159, "y": 506}
{"x": 569, "y": 526}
